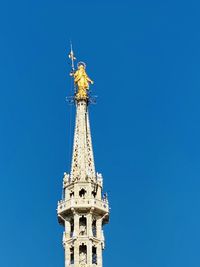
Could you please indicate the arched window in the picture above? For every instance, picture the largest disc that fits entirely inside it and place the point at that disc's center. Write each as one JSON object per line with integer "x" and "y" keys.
{"x": 71, "y": 194}
{"x": 94, "y": 228}
{"x": 82, "y": 193}
{"x": 71, "y": 227}
{"x": 94, "y": 255}
{"x": 72, "y": 255}
{"x": 83, "y": 225}
{"x": 94, "y": 193}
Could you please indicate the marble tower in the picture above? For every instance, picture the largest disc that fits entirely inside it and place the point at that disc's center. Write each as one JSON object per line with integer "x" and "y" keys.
{"x": 84, "y": 209}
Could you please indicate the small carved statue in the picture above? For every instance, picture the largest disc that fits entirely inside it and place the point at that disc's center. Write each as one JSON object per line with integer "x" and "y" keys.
{"x": 65, "y": 178}
{"x": 83, "y": 257}
{"x": 82, "y": 230}
{"x": 82, "y": 81}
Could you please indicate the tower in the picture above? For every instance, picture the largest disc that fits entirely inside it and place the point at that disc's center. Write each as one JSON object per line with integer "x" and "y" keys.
{"x": 83, "y": 209}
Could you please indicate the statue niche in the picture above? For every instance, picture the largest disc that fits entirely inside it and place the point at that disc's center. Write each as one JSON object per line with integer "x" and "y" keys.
{"x": 83, "y": 254}
{"x": 83, "y": 225}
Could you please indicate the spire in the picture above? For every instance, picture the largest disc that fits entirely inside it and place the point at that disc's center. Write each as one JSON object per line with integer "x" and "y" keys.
{"x": 82, "y": 167}
{"x": 83, "y": 209}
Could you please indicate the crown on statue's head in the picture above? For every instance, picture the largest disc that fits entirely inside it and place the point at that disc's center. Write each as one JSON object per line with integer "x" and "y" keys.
{"x": 81, "y": 63}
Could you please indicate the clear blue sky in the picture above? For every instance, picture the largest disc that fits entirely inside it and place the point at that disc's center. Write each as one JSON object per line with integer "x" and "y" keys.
{"x": 144, "y": 57}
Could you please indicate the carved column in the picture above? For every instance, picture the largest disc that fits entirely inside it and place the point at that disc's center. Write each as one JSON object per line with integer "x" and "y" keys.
{"x": 89, "y": 256}
{"x": 76, "y": 253}
{"x": 99, "y": 227}
{"x": 76, "y": 225}
{"x": 99, "y": 254}
{"x": 67, "y": 229}
{"x": 67, "y": 255}
{"x": 89, "y": 224}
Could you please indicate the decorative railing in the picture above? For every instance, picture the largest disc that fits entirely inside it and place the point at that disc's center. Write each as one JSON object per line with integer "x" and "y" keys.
{"x": 82, "y": 203}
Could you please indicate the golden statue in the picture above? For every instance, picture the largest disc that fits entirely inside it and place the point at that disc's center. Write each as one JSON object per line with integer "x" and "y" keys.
{"x": 82, "y": 81}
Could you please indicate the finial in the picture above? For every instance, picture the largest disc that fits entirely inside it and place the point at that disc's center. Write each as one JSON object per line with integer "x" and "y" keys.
{"x": 81, "y": 79}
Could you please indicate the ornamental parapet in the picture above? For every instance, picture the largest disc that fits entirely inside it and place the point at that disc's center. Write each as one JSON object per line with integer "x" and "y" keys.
{"x": 64, "y": 206}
